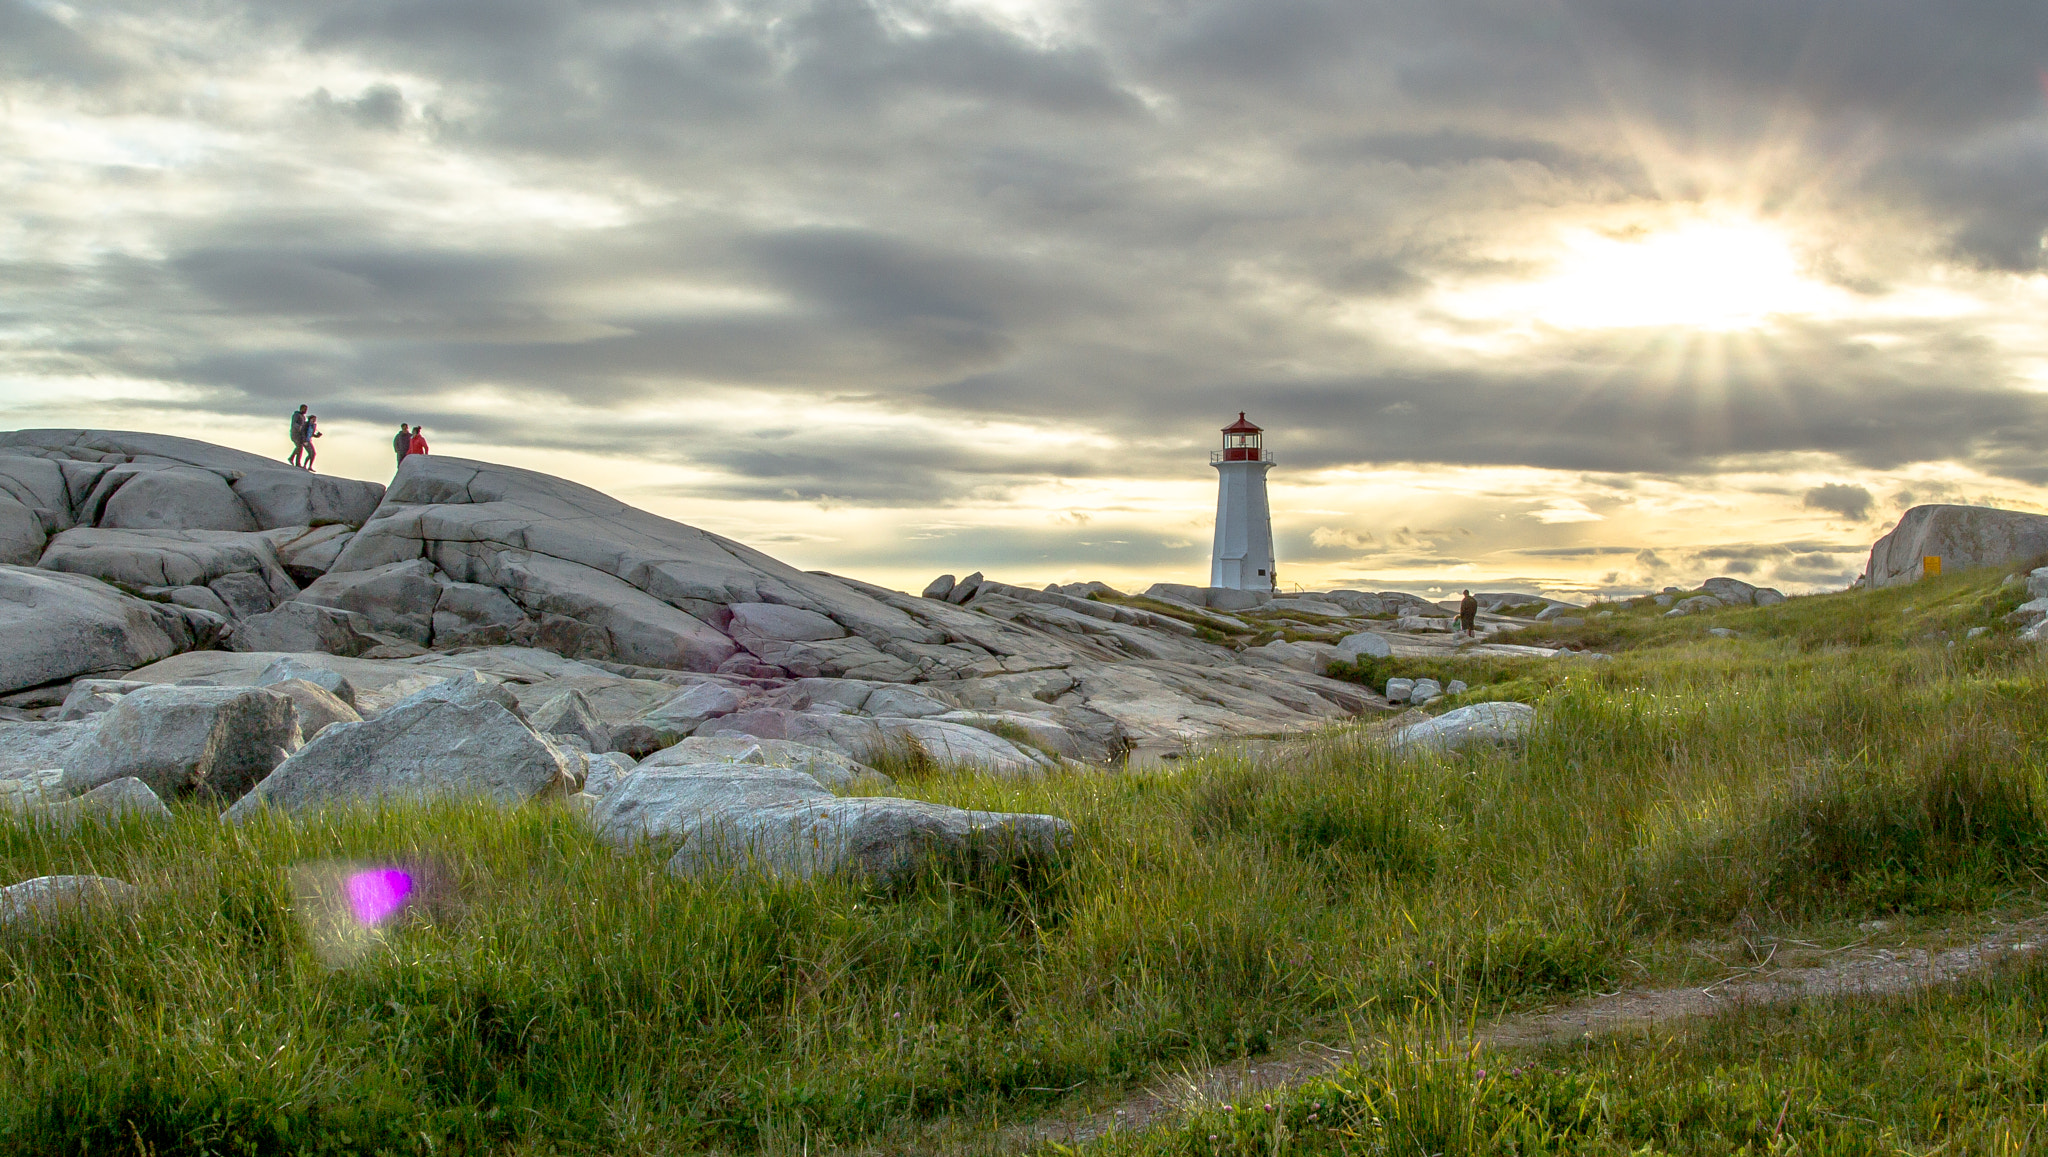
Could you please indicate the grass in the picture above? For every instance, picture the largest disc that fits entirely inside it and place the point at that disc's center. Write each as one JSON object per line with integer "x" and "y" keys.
{"x": 1840, "y": 761}
{"x": 1958, "y": 1069}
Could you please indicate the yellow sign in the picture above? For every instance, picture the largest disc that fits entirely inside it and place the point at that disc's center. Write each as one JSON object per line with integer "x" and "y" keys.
{"x": 1930, "y": 566}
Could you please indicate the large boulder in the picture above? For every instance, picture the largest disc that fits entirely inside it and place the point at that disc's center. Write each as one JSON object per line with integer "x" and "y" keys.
{"x": 444, "y": 741}
{"x": 48, "y": 897}
{"x": 663, "y": 803}
{"x": 215, "y": 741}
{"x": 109, "y": 803}
{"x": 1494, "y": 724}
{"x": 1961, "y": 536}
{"x": 1365, "y": 645}
{"x": 56, "y": 626}
{"x": 731, "y": 818}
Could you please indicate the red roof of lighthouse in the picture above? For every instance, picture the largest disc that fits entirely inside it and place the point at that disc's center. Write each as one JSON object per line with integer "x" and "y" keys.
{"x": 1240, "y": 426}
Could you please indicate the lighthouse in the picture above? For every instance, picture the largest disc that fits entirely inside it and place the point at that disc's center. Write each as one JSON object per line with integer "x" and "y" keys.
{"x": 1243, "y": 558}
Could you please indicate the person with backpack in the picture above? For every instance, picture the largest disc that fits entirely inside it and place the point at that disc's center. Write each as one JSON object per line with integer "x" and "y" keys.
{"x": 299, "y": 445}
{"x": 1468, "y": 610}
{"x": 402, "y": 444}
{"x": 419, "y": 441}
{"x": 311, "y": 431}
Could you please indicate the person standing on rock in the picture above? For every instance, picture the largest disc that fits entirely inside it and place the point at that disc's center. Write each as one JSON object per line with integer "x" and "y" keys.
{"x": 402, "y": 444}
{"x": 311, "y": 432}
{"x": 1468, "y": 610}
{"x": 299, "y": 435}
{"x": 418, "y": 445}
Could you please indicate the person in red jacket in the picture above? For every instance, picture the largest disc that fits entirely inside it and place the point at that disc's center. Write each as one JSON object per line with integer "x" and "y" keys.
{"x": 419, "y": 441}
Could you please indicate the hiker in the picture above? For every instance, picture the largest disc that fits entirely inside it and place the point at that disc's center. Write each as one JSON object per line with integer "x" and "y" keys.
{"x": 311, "y": 431}
{"x": 402, "y": 444}
{"x": 1468, "y": 610}
{"x": 299, "y": 435}
{"x": 418, "y": 445}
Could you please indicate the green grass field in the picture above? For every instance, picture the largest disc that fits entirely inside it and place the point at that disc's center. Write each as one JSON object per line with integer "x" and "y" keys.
{"x": 1848, "y": 757}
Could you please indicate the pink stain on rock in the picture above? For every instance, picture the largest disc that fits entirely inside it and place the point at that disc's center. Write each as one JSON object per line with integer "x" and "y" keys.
{"x": 378, "y": 894}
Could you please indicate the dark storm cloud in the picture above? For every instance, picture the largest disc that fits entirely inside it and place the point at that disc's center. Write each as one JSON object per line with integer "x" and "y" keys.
{"x": 381, "y": 106}
{"x": 1851, "y": 502}
{"x": 921, "y": 207}
{"x": 1932, "y": 67}
{"x": 634, "y": 76}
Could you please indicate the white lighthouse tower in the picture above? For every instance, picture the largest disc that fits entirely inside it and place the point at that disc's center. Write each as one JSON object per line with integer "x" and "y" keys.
{"x": 1243, "y": 558}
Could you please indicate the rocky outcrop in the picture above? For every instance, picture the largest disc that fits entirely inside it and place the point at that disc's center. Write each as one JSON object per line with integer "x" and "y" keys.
{"x": 315, "y": 707}
{"x": 398, "y": 599}
{"x": 215, "y": 741}
{"x": 734, "y": 818}
{"x": 1961, "y": 536}
{"x": 298, "y": 627}
{"x": 125, "y": 480}
{"x": 40, "y": 746}
{"x": 113, "y": 802}
{"x": 1696, "y": 605}
{"x": 55, "y": 627}
{"x": 833, "y": 769}
{"x": 288, "y": 670}
{"x": 569, "y": 716}
{"x": 1480, "y": 724}
{"x": 49, "y": 897}
{"x": 199, "y": 530}
{"x": 233, "y": 575}
{"x": 456, "y": 738}
{"x": 677, "y": 633}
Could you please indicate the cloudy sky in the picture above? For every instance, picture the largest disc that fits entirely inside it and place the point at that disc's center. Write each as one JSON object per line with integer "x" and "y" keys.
{"x": 1571, "y": 294}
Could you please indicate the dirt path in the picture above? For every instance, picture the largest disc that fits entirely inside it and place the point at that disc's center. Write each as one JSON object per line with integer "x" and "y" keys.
{"x": 1853, "y": 970}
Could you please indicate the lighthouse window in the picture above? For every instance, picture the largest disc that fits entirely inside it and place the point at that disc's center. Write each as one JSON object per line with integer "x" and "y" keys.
{"x": 1262, "y": 572}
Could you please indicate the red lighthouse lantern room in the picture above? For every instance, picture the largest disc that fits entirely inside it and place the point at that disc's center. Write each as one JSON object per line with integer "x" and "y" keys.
{"x": 1241, "y": 441}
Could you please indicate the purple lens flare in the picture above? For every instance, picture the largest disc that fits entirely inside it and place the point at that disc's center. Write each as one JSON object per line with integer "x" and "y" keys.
{"x": 378, "y": 894}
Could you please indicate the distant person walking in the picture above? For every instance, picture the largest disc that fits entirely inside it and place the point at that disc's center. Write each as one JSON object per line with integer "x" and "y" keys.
{"x": 402, "y": 444}
{"x": 419, "y": 441}
{"x": 1468, "y": 610}
{"x": 312, "y": 431}
{"x": 299, "y": 435}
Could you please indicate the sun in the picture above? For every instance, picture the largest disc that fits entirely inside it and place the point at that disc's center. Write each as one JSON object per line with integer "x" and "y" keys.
{"x": 1710, "y": 273}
